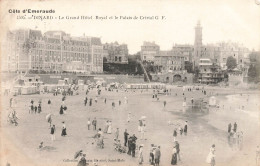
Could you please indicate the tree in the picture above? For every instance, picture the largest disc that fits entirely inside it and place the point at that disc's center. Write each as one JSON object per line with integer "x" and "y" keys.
{"x": 254, "y": 68}
{"x": 252, "y": 73}
{"x": 231, "y": 63}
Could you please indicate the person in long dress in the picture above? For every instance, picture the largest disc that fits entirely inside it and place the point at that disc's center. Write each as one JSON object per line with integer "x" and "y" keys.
{"x": 89, "y": 123}
{"x": 140, "y": 125}
{"x": 94, "y": 123}
{"x": 143, "y": 133}
{"x": 109, "y": 130}
{"x": 113, "y": 105}
{"x": 185, "y": 128}
{"x": 140, "y": 155}
{"x": 229, "y": 127}
{"x": 86, "y": 101}
{"x": 53, "y": 133}
{"x": 178, "y": 150}
{"x": 106, "y": 127}
{"x": 39, "y": 108}
{"x": 63, "y": 132}
{"x": 126, "y": 100}
{"x": 125, "y": 137}
{"x": 174, "y": 135}
{"x": 32, "y": 108}
{"x": 211, "y": 156}
{"x": 174, "y": 156}
{"x": 50, "y": 120}
{"x": 82, "y": 161}
{"x": 235, "y": 127}
{"x": 117, "y": 133}
{"x": 61, "y": 110}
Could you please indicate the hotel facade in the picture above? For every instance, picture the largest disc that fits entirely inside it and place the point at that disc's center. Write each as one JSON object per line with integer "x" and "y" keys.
{"x": 54, "y": 51}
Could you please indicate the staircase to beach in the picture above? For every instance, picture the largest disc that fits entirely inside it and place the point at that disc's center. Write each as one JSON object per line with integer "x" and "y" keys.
{"x": 144, "y": 71}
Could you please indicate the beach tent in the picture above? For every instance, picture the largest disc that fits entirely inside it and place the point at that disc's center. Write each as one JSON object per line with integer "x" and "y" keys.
{"x": 26, "y": 90}
{"x": 61, "y": 82}
{"x": 212, "y": 101}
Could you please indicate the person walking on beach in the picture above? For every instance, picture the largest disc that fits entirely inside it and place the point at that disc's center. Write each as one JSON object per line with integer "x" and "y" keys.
{"x": 32, "y": 109}
{"x": 63, "y": 132}
{"x": 235, "y": 127}
{"x": 90, "y": 102}
{"x": 113, "y": 105}
{"x": 61, "y": 110}
{"x": 94, "y": 123}
{"x": 109, "y": 130}
{"x": 143, "y": 132}
{"x": 229, "y": 127}
{"x": 133, "y": 147}
{"x": 140, "y": 155}
{"x": 185, "y": 128}
{"x": 125, "y": 137}
{"x": 39, "y": 108}
{"x": 140, "y": 125}
{"x": 82, "y": 161}
{"x": 157, "y": 156}
{"x": 129, "y": 142}
{"x": 89, "y": 124}
{"x": 178, "y": 150}
{"x": 117, "y": 134}
{"x": 151, "y": 157}
{"x": 164, "y": 103}
{"x": 35, "y": 109}
{"x": 211, "y": 156}
{"x": 180, "y": 130}
{"x": 174, "y": 135}
{"x": 174, "y": 155}
{"x": 86, "y": 101}
{"x": 10, "y": 102}
{"x": 53, "y": 132}
{"x": 50, "y": 120}
{"x": 126, "y": 100}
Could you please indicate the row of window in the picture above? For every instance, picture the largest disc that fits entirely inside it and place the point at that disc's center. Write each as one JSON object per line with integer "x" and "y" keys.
{"x": 68, "y": 48}
{"x": 58, "y": 58}
{"x": 174, "y": 62}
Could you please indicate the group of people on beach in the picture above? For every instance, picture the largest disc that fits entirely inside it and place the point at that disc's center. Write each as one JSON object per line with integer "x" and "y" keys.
{"x": 235, "y": 138}
{"x": 34, "y": 108}
{"x": 129, "y": 143}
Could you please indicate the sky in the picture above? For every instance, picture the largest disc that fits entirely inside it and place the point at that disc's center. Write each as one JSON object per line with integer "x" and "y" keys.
{"x": 221, "y": 20}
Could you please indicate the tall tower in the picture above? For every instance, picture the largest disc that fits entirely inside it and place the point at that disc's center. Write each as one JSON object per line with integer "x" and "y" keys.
{"x": 197, "y": 44}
